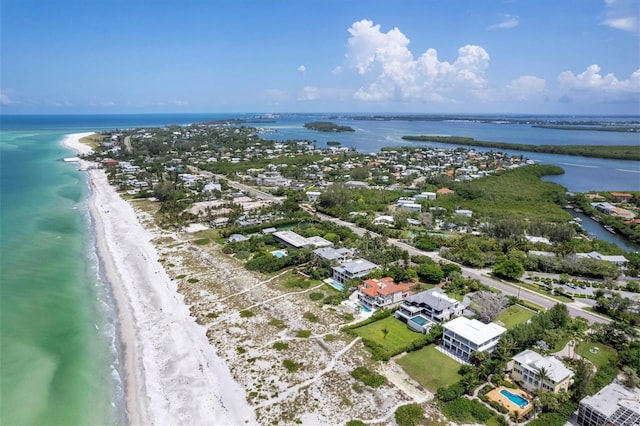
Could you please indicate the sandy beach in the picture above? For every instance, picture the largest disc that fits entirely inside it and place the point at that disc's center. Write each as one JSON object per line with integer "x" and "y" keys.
{"x": 172, "y": 374}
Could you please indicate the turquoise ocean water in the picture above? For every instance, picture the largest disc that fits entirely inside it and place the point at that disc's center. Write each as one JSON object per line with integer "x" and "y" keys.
{"x": 58, "y": 359}
{"x": 59, "y": 354}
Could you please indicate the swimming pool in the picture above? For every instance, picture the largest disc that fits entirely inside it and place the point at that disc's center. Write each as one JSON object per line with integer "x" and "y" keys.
{"x": 419, "y": 320}
{"x": 279, "y": 253}
{"x": 365, "y": 308}
{"x": 335, "y": 284}
{"x": 516, "y": 399}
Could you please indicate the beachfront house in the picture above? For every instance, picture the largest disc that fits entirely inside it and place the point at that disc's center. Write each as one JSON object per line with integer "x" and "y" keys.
{"x": 382, "y": 293}
{"x": 293, "y": 240}
{"x": 463, "y": 336}
{"x": 333, "y": 255}
{"x": 613, "y": 405}
{"x": 420, "y": 311}
{"x": 357, "y": 268}
{"x": 535, "y": 372}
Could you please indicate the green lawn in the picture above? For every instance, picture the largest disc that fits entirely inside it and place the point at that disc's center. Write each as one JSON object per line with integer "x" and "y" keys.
{"x": 561, "y": 344}
{"x": 398, "y": 337}
{"x": 514, "y": 315}
{"x": 431, "y": 368}
{"x": 603, "y": 355}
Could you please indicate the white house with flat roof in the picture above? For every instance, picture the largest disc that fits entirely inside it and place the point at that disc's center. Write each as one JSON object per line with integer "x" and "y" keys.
{"x": 613, "y": 405}
{"x": 354, "y": 269}
{"x": 294, "y": 240}
{"x": 527, "y": 367}
{"x": 463, "y": 336}
{"x": 331, "y": 254}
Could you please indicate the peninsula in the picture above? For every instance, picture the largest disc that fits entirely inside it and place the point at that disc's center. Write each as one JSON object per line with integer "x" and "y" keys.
{"x": 618, "y": 152}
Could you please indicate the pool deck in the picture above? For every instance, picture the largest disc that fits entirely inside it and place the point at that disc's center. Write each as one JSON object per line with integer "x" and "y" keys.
{"x": 495, "y": 395}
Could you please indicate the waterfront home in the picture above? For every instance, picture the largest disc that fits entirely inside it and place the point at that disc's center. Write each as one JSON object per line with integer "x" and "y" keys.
{"x": 613, "y": 405}
{"x": 619, "y": 260}
{"x": 334, "y": 255}
{"x": 420, "y": 311}
{"x": 294, "y": 240}
{"x": 535, "y": 372}
{"x": 382, "y": 293}
{"x": 357, "y": 268}
{"x": 463, "y": 336}
{"x": 622, "y": 197}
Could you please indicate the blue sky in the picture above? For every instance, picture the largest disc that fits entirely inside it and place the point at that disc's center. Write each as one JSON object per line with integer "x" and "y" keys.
{"x": 425, "y": 56}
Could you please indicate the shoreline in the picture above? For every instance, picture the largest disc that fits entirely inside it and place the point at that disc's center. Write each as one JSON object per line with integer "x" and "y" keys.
{"x": 172, "y": 373}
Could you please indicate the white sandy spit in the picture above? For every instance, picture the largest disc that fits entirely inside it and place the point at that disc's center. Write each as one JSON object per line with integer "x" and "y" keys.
{"x": 173, "y": 375}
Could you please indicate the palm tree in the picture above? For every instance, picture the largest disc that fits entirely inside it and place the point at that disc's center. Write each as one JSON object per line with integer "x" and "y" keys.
{"x": 543, "y": 374}
{"x": 385, "y": 332}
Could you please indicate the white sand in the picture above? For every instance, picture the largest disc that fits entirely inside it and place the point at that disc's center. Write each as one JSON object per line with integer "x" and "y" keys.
{"x": 173, "y": 375}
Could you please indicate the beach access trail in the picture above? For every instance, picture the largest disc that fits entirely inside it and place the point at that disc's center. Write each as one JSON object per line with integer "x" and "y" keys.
{"x": 172, "y": 373}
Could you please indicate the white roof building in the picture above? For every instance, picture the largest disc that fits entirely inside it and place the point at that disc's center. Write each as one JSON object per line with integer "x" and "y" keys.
{"x": 463, "y": 336}
{"x": 613, "y": 405}
{"x": 528, "y": 365}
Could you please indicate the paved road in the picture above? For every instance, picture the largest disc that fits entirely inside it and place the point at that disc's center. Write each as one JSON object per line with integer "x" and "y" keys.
{"x": 575, "y": 308}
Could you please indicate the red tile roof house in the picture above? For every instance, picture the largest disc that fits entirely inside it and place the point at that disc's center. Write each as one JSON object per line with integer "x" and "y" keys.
{"x": 622, "y": 197}
{"x": 382, "y": 293}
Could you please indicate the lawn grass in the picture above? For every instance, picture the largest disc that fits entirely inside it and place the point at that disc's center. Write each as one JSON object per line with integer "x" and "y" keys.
{"x": 514, "y": 315}
{"x": 431, "y": 368}
{"x": 561, "y": 344}
{"x": 604, "y": 355}
{"x": 399, "y": 336}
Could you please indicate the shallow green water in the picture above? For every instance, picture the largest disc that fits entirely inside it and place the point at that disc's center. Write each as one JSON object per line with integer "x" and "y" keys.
{"x": 56, "y": 322}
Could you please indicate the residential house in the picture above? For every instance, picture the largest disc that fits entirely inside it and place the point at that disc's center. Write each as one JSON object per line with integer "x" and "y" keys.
{"x": 234, "y": 238}
{"x": 357, "y": 268}
{"x": 619, "y": 260}
{"x": 613, "y": 405}
{"x": 333, "y": 255}
{"x": 528, "y": 367}
{"x": 294, "y": 240}
{"x": 382, "y": 293}
{"x": 272, "y": 179}
{"x": 444, "y": 191}
{"x": 420, "y": 311}
{"x": 463, "y": 336}
{"x": 622, "y": 197}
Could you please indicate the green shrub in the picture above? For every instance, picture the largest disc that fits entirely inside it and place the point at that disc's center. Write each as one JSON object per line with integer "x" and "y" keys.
{"x": 463, "y": 410}
{"x": 409, "y": 415}
{"x": 316, "y": 296}
{"x": 291, "y": 365}
{"x": 310, "y": 317}
{"x": 449, "y": 393}
{"x": 246, "y": 314}
{"x": 278, "y": 323}
{"x": 355, "y": 423}
{"x": 181, "y": 276}
{"x": 348, "y": 317}
{"x": 305, "y": 334}
{"x": 280, "y": 346}
{"x": 368, "y": 377}
{"x": 201, "y": 241}
{"x": 193, "y": 280}
{"x": 241, "y": 350}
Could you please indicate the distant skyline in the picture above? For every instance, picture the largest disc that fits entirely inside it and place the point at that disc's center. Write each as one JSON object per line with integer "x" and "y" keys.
{"x": 419, "y": 56}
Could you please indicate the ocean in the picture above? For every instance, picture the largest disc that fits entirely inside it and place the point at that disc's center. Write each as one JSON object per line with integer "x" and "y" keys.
{"x": 59, "y": 353}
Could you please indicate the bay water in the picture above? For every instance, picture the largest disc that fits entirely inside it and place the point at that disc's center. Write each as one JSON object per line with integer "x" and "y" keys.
{"x": 59, "y": 351}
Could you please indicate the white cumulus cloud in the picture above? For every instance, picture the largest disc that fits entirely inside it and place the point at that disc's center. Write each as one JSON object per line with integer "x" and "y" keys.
{"x": 508, "y": 22}
{"x": 392, "y": 72}
{"x": 309, "y": 93}
{"x": 528, "y": 88}
{"x": 302, "y": 68}
{"x": 593, "y": 85}
{"x": 621, "y": 15}
{"x": 5, "y": 99}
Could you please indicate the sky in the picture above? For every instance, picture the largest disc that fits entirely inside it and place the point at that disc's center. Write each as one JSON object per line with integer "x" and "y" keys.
{"x": 412, "y": 56}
